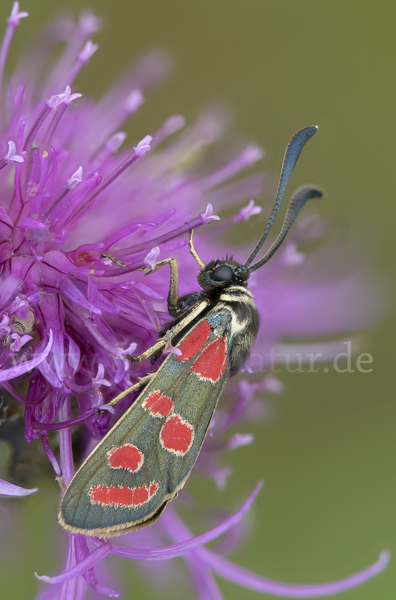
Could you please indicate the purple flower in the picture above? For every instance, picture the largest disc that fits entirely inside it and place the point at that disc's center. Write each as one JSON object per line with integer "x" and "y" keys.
{"x": 80, "y": 214}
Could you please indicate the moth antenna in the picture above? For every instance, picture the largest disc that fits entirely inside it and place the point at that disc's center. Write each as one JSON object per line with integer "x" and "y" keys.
{"x": 290, "y": 159}
{"x": 297, "y": 201}
{"x": 193, "y": 251}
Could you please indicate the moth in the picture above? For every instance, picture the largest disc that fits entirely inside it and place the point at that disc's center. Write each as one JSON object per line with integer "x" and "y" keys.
{"x": 147, "y": 457}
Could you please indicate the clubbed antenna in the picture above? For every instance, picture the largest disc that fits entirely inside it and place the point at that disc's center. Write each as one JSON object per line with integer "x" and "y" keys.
{"x": 290, "y": 159}
{"x": 297, "y": 201}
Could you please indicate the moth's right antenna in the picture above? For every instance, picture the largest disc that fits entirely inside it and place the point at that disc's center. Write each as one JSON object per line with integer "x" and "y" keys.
{"x": 290, "y": 159}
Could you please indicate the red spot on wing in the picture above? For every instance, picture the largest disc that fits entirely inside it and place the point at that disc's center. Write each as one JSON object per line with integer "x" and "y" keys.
{"x": 177, "y": 435}
{"x": 157, "y": 404}
{"x": 140, "y": 495}
{"x": 194, "y": 341}
{"x": 153, "y": 489}
{"x": 127, "y": 457}
{"x": 122, "y": 496}
{"x": 211, "y": 363}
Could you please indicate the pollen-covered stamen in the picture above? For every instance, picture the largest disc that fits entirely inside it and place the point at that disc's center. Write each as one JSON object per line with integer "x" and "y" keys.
{"x": 121, "y": 110}
{"x": 122, "y": 353}
{"x": 75, "y": 179}
{"x": 87, "y": 25}
{"x": 113, "y": 144}
{"x": 246, "y": 212}
{"x": 13, "y": 22}
{"x": 212, "y": 361}
{"x": 168, "y": 128}
{"x": 68, "y": 212}
{"x": 99, "y": 379}
{"x": 86, "y": 53}
{"x": 127, "y": 456}
{"x": 16, "y": 15}
{"x": 291, "y": 256}
{"x": 65, "y": 97}
{"x": 61, "y": 102}
{"x": 236, "y": 441}
{"x": 208, "y": 215}
{"x": 54, "y": 102}
{"x": 18, "y": 341}
{"x": 12, "y": 155}
{"x": 133, "y": 101}
{"x": 177, "y": 435}
{"x": 143, "y": 146}
{"x": 151, "y": 258}
{"x": 122, "y": 496}
{"x": 140, "y": 149}
{"x": 158, "y": 404}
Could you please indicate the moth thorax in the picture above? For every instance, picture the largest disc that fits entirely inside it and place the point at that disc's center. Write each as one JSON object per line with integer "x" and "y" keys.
{"x": 237, "y": 294}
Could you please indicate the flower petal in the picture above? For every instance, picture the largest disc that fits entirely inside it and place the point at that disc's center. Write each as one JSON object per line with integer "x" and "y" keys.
{"x": 245, "y": 578}
{"x": 80, "y": 568}
{"x": 9, "y": 489}
{"x": 27, "y": 366}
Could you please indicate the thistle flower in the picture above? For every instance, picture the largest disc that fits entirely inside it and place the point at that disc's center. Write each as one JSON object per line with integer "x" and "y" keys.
{"x": 79, "y": 216}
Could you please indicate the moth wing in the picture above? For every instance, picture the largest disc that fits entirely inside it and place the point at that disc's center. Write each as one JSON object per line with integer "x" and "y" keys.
{"x": 146, "y": 458}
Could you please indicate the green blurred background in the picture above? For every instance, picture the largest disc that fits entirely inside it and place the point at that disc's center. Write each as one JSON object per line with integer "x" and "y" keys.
{"x": 327, "y": 454}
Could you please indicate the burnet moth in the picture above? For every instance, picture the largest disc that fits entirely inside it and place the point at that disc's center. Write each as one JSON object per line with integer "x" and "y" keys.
{"x": 146, "y": 458}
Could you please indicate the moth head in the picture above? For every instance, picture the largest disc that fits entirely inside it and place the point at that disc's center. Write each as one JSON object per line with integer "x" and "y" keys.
{"x": 221, "y": 273}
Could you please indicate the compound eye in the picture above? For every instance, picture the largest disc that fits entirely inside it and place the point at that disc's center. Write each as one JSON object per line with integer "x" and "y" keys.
{"x": 222, "y": 273}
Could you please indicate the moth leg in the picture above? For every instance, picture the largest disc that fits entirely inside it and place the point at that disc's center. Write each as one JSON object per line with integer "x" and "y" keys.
{"x": 142, "y": 381}
{"x": 192, "y": 314}
{"x": 193, "y": 252}
{"x": 173, "y": 295}
{"x": 173, "y": 307}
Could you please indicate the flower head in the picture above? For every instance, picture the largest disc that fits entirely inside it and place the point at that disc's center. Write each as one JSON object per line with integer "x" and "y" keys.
{"x": 81, "y": 217}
